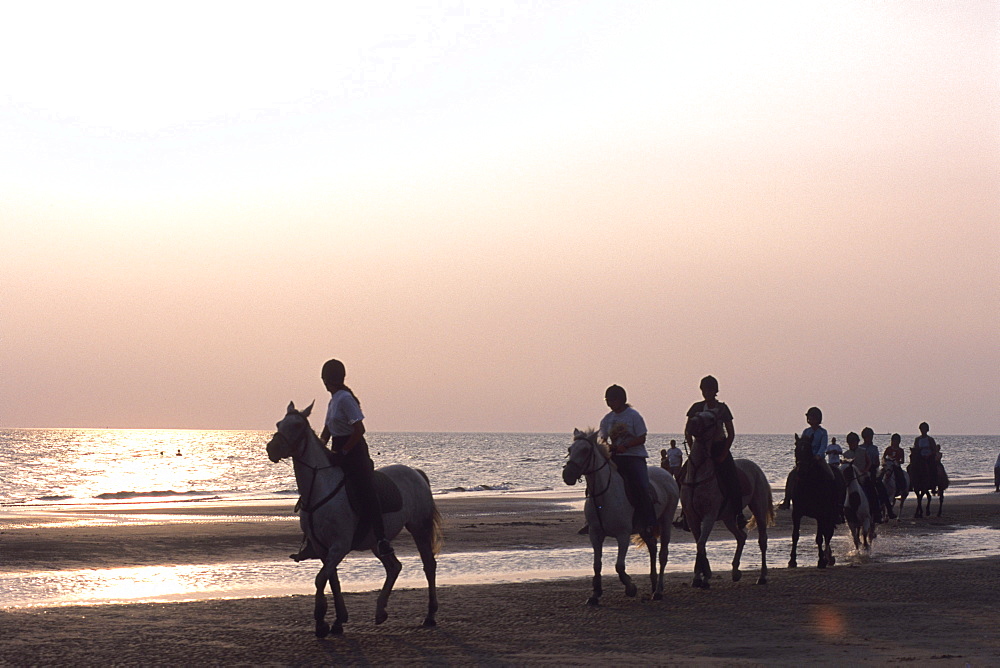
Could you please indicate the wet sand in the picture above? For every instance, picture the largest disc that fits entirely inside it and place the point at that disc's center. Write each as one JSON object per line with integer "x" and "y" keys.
{"x": 940, "y": 612}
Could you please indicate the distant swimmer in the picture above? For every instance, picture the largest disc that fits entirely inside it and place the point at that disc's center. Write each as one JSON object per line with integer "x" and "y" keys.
{"x": 178, "y": 453}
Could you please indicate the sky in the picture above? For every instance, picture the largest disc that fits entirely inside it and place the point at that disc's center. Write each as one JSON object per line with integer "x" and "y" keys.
{"x": 493, "y": 211}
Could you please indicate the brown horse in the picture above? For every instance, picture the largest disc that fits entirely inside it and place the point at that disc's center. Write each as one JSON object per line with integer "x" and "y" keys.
{"x": 815, "y": 495}
{"x": 921, "y": 484}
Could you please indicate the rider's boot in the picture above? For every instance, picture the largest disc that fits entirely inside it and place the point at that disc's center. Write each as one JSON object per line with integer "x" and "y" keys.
{"x": 307, "y": 551}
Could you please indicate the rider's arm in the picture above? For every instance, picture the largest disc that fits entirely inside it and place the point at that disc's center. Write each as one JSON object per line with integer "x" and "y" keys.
{"x": 730, "y": 434}
{"x": 325, "y": 436}
{"x": 358, "y": 430}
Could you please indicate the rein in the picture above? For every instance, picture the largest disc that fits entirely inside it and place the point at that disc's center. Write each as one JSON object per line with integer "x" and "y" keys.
{"x": 592, "y": 454}
{"x": 305, "y": 506}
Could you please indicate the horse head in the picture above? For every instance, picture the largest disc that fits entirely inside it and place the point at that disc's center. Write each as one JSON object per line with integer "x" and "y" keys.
{"x": 803, "y": 451}
{"x": 290, "y": 438}
{"x": 583, "y": 456}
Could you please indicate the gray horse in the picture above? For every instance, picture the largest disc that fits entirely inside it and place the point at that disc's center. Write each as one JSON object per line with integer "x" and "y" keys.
{"x": 609, "y": 512}
{"x": 330, "y": 522}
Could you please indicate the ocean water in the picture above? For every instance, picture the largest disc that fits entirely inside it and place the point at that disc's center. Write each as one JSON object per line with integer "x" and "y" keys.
{"x": 109, "y": 466}
{"x": 42, "y": 468}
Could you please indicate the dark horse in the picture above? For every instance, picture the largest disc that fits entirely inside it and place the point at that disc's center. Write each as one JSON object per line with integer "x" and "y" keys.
{"x": 920, "y": 483}
{"x": 815, "y": 495}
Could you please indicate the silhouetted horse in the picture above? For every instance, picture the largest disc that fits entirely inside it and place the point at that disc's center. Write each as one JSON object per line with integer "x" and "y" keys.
{"x": 816, "y": 495}
{"x": 920, "y": 483}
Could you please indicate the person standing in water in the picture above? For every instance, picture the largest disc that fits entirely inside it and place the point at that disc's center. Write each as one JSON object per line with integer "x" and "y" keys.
{"x": 719, "y": 438}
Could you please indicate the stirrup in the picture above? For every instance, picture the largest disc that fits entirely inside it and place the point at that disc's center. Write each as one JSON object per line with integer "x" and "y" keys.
{"x": 383, "y": 548}
{"x": 307, "y": 552}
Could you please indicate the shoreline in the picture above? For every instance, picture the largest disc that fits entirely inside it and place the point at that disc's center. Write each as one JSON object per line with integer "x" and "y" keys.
{"x": 933, "y": 611}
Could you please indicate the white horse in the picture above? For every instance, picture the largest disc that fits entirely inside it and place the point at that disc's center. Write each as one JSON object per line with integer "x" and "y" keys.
{"x": 702, "y": 499}
{"x": 330, "y": 522}
{"x": 887, "y": 474}
{"x": 609, "y": 512}
{"x": 856, "y": 509}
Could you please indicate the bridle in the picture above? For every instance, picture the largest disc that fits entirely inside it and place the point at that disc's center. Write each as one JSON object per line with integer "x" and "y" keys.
{"x": 695, "y": 467}
{"x": 590, "y": 468}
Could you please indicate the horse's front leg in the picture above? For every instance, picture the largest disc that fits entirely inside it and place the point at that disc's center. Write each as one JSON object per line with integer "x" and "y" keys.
{"x": 702, "y": 569}
{"x": 762, "y": 544}
{"x": 597, "y": 542}
{"x": 820, "y": 536}
{"x": 392, "y": 569}
{"x": 664, "y": 547}
{"x": 328, "y": 573}
{"x": 940, "y": 502}
{"x": 623, "y": 541}
{"x": 741, "y": 540}
{"x": 796, "y": 521}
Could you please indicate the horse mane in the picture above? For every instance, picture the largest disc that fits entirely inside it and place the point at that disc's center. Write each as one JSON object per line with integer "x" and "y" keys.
{"x": 592, "y": 435}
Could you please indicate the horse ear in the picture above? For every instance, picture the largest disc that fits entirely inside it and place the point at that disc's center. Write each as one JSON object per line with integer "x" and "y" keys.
{"x": 291, "y": 407}
{"x": 308, "y": 409}
{"x": 796, "y": 437}
{"x": 577, "y": 433}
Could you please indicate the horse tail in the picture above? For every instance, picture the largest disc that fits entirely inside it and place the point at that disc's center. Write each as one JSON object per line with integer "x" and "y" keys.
{"x": 437, "y": 533}
{"x": 762, "y": 487}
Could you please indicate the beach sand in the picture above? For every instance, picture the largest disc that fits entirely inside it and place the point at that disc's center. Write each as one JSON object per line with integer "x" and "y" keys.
{"x": 937, "y": 612}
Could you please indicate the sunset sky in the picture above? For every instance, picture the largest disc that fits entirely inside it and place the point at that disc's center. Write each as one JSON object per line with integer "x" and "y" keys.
{"x": 492, "y": 211}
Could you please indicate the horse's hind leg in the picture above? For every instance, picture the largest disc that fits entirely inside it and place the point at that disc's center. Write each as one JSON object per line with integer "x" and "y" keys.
{"x": 940, "y": 502}
{"x": 392, "y": 569}
{"x": 650, "y": 540}
{"x": 820, "y": 535}
{"x": 425, "y": 546}
{"x": 664, "y": 547}
{"x": 630, "y": 588}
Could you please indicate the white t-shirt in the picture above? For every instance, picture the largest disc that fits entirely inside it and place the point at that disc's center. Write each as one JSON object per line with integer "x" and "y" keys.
{"x": 342, "y": 413}
{"x": 615, "y": 426}
{"x": 675, "y": 457}
{"x": 833, "y": 452}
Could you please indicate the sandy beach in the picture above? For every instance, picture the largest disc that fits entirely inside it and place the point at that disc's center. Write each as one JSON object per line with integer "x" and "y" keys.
{"x": 938, "y": 612}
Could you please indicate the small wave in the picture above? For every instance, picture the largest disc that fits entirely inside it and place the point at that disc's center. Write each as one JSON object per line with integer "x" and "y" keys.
{"x": 288, "y": 492}
{"x": 55, "y": 497}
{"x": 502, "y": 487}
{"x": 137, "y": 495}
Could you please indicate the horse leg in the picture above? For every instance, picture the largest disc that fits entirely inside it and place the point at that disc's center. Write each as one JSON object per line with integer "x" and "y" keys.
{"x": 920, "y": 506}
{"x": 630, "y": 588}
{"x": 820, "y": 534}
{"x": 392, "y": 569}
{"x": 796, "y": 521}
{"x": 425, "y": 546}
{"x": 762, "y": 544}
{"x": 702, "y": 569}
{"x": 940, "y": 502}
{"x": 741, "y": 539}
{"x": 319, "y": 609}
{"x": 650, "y": 540}
{"x": 665, "y": 522}
{"x": 598, "y": 544}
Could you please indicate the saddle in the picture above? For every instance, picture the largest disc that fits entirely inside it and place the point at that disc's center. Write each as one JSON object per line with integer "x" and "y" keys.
{"x": 389, "y": 500}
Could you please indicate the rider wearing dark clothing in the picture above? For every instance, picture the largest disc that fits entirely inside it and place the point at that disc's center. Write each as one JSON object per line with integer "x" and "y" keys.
{"x": 927, "y": 449}
{"x": 719, "y": 438}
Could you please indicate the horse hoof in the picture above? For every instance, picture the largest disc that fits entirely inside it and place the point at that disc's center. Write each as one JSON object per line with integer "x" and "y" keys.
{"x": 631, "y": 590}
{"x": 322, "y": 629}
{"x": 792, "y": 564}
{"x": 832, "y": 560}
{"x": 381, "y": 616}
{"x": 338, "y": 629}
{"x": 821, "y": 564}
{"x": 761, "y": 580}
{"x": 736, "y": 576}
{"x": 657, "y": 596}
{"x": 593, "y": 600}
{"x": 430, "y": 621}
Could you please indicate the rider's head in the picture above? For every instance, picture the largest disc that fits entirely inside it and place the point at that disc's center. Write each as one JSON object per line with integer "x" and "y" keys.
{"x": 814, "y": 416}
{"x": 924, "y": 428}
{"x": 867, "y": 434}
{"x": 709, "y": 387}
{"x": 333, "y": 374}
{"x": 615, "y": 397}
{"x": 895, "y": 439}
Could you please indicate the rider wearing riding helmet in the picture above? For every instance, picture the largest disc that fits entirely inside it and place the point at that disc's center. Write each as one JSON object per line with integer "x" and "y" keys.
{"x": 625, "y": 430}
{"x": 927, "y": 449}
{"x": 720, "y": 442}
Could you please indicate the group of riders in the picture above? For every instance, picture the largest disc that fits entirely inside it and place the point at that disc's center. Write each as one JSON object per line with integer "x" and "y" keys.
{"x": 710, "y": 423}
{"x": 873, "y": 473}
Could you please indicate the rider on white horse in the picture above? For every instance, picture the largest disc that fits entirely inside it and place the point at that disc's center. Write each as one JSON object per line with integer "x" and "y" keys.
{"x": 344, "y": 429}
{"x": 625, "y": 430}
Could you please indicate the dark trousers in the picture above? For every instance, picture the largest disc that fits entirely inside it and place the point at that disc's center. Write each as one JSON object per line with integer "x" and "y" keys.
{"x": 633, "y": 470}
{"x": 726, "y": 472}
{"x": 360, "y": 473}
